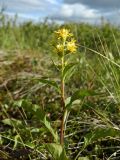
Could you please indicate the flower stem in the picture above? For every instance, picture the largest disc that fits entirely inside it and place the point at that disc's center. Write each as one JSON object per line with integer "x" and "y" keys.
{"x": 62, "y": 84}
{"x": 62, "y": 102}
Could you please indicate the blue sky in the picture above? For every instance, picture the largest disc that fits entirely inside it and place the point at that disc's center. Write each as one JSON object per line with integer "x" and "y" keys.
{"x": 64, "y": 10}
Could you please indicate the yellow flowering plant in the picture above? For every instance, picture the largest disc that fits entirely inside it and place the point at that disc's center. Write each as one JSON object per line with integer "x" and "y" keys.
{"x": 66, "y": 45}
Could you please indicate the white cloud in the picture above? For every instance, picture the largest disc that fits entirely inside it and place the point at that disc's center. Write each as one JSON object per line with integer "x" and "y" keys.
{"x": 72, "y": 10}
{"x": 66, "y": 11}
{"x": 98, "y": 4}
{"x": 78, "y": 10}
{"x": 31, "y": 8}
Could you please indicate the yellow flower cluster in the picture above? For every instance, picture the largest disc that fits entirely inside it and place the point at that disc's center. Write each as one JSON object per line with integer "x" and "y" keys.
{"x": 71, "y": 46}
{"x": 63, "y": 33}
{"x": 60, "y": 47}
{"x": 66, "y": 41}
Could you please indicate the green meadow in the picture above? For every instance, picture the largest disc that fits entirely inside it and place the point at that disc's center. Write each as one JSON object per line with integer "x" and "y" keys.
{"x": 59, "y": 105}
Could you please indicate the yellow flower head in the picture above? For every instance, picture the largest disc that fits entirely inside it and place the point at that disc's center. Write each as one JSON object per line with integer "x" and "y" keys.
{"x": 60, "y": 48}
{"x": 63, "y": 33}
{"x": 66, "y": 43}
{"x": 71, "y": 46}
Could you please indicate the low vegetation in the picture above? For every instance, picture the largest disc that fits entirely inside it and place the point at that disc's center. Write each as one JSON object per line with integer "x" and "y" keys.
{"x": 59, "y": 91}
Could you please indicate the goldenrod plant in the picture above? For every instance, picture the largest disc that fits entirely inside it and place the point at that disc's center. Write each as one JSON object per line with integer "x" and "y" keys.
{"x": 66, "y": 44}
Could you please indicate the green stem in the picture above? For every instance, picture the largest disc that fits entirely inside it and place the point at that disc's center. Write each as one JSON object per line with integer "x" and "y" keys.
{"x": 62, "y": 102}
{"x": 62, "y": 84}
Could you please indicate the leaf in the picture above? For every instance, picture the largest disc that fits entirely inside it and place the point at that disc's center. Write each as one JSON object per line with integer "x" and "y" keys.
{"x": 57, "y": 151}
{"x": 63, "y": 155}
{"x": 18, "y": 103}
{"x": 67, "y": 101}
{"x": 50, "y": 82}
{"x": 68, "y": 70}
{"x": 16, "y": 141}
{"x": 35, "y": 130}
{"x": 39, "y": 114}
{"x": 101, "y": 134}
{"x": 32, "y": 108}
{"x": 50, "y": 129}
{"x": 26, "y": 104}
{"x": 12, "y": 122}
{"x": 81, "y": 94}
{"x": 83, "y": 158}
{"x": 30, "y": 145}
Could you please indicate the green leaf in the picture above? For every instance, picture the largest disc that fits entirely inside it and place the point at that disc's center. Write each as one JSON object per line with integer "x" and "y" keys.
{"x": 67, "y": 101}
{"x": 35, "y": 130}
{"x": 19, "y": 103}
{"x": 12, "y": 122}
{"x": 32, "y": 108}
{"x": 26, "y": 104}
{"x": 16, "y": 141}
{"x": 55, "y": 150}
{"x": 80, "y": 94}
{"x": 40, "y": 115}
{"x": 63, "y": 155}
{"x": 50, "y": 129}
{"x": 30, "y": 145}
{"x": 38, "y": 112}
{"x": 101, "y": 134}
{"x": 68, "y": 70}
{"x": 50, "y": 82}
{"x": 83, "y": 158}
